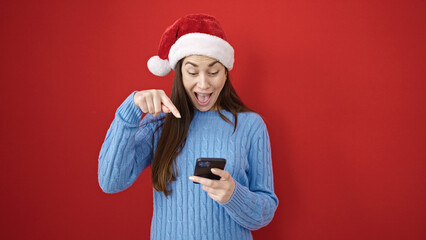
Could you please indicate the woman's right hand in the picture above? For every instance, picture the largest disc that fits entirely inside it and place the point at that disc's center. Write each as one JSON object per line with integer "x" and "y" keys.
{"x": 155, "y": 101}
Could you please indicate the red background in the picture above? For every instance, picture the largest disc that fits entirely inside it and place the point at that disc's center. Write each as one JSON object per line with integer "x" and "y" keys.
{"x": 341, "y": 85}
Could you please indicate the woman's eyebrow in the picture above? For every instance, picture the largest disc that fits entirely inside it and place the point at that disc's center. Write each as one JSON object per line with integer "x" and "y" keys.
{"x": 213, "y": 63}
{"x": 195, "y": 65}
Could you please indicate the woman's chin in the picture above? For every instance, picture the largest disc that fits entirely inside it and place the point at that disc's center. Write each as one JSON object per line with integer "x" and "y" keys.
{"x": 204, "y": 108}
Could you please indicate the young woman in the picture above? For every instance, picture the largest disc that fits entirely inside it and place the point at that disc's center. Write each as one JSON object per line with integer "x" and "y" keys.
{"x": 203, "y": 118}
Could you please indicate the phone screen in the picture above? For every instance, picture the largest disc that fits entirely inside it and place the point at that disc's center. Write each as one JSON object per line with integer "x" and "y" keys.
{"x": 203, "y": 167}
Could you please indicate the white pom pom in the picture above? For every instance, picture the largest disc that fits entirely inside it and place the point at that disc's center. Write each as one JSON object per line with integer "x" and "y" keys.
{"x": 158, "y": 66}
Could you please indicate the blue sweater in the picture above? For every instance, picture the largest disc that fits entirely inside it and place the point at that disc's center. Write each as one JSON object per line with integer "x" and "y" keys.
{"x": 188, "y": 212}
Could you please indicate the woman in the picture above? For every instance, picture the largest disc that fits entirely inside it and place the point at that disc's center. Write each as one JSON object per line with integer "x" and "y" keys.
{"x": 203, "y": 118}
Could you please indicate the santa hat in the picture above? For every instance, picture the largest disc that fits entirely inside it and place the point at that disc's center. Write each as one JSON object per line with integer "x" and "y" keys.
{"x": 195, "y": 34}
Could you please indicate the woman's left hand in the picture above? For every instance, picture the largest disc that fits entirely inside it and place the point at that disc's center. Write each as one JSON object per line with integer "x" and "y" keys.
{"x": 219, "y": 190}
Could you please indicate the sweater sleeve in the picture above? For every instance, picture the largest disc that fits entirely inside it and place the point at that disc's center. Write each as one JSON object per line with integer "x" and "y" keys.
{"x": 253, "y": 207}
{"x": 127, "y": 148}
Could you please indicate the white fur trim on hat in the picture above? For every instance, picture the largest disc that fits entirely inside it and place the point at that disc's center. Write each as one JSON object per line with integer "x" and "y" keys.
{"x": 202, "y": 44}
{"x": 158, "y": 66}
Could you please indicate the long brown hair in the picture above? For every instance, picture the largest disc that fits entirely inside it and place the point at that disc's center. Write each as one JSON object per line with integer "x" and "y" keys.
{"x": 174, "y": 133}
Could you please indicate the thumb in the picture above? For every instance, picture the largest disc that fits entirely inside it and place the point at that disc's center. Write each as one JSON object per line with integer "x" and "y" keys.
{"x": 165, "y": 109}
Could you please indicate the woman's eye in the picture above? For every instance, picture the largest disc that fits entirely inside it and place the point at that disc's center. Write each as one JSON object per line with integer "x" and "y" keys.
{"x": 214, "y": 73}
{"x": 192, "y": 73}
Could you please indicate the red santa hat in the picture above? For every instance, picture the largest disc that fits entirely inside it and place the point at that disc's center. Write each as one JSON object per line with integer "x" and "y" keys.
{"x": 195, "y": 34}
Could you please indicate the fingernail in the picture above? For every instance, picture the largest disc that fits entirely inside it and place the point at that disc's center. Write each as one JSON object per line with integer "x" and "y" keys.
{"x": 191, "y": 178}
{"x": 178, "y": 114}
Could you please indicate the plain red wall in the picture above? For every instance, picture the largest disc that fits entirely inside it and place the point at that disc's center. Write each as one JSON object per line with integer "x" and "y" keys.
{"x": 341, "y": 85}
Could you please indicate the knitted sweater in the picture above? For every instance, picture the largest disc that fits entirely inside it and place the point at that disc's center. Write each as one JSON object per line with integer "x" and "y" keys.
{"x": 188, "y": 212}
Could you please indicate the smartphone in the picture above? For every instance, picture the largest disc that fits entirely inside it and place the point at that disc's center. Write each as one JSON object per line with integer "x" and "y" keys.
{"x": 203, "y": 167}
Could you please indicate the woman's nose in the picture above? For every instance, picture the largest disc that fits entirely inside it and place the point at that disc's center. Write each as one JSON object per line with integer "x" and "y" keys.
{"x": 203, "y": 82}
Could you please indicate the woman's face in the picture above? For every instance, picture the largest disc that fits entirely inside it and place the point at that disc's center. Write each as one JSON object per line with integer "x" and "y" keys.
{"x": 203, "y": 78}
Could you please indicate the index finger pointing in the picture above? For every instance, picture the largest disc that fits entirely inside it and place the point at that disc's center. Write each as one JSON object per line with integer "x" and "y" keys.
{"x": 168, "y": 103}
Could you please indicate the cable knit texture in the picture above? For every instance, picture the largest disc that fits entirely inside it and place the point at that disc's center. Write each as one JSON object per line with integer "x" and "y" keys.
{"x": 188, "y": 212}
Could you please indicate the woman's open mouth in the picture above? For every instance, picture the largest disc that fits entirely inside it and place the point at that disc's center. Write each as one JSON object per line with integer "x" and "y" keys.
{"x": 203, "y": 98}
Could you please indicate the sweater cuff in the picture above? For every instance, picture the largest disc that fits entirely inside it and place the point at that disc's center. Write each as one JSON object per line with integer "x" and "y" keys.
{"x": 128, "y": 111}
{"x": 237, "y": 200}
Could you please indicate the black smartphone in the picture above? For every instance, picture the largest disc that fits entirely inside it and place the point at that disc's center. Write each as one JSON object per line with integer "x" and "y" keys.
{"x": 203, "y": 167}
